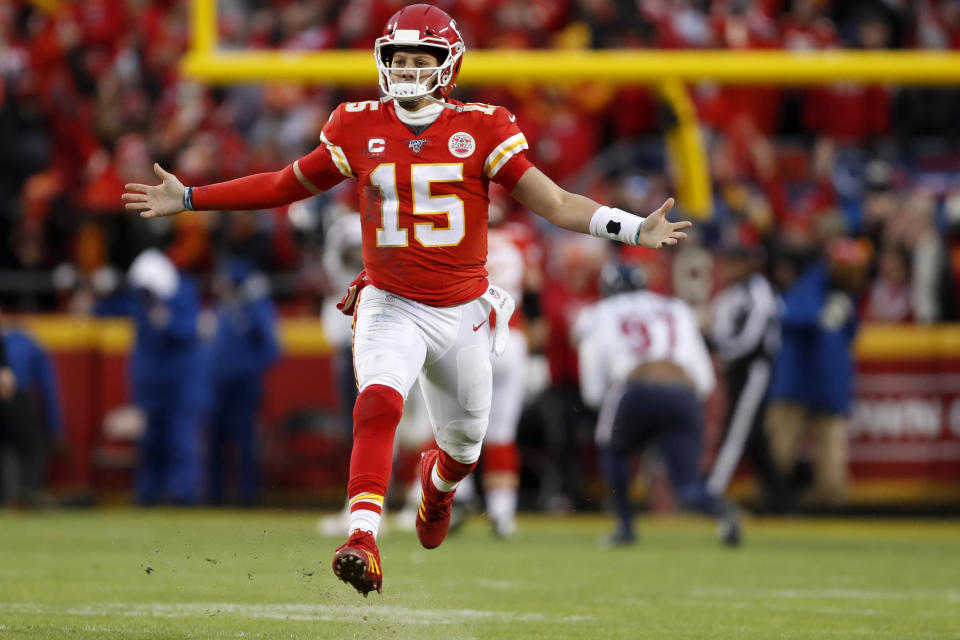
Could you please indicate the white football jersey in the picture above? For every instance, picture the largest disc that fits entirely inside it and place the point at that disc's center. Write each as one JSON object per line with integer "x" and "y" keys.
{"x": 505, "y": 262}
{"x": 342, "y": 235}
{"x": 618, "y": 334}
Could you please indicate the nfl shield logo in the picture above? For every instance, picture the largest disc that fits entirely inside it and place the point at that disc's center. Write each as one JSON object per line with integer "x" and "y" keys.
{"x": 416, "y": 145}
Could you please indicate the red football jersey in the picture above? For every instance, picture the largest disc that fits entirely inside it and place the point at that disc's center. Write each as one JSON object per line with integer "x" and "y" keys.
{"x": 423, "y": 197}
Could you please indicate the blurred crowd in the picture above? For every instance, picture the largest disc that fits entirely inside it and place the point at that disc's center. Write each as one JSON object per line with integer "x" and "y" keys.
{"x": 91, "y": 95}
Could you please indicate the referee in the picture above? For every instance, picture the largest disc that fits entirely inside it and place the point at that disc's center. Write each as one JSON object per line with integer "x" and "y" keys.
{"x": 745, "y": 334}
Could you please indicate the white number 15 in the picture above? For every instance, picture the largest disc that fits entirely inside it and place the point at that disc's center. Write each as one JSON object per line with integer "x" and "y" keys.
{"x": 390, "y": 234}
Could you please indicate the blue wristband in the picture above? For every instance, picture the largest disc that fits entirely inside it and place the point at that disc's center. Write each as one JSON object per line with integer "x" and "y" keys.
{"x": 188, "y": 199}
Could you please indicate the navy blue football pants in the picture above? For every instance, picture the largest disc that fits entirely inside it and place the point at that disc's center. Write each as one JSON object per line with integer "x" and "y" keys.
{"x": 670, "y": 416}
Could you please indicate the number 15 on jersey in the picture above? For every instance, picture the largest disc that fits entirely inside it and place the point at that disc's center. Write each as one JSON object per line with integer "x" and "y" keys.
{"x": 390, "y": 234}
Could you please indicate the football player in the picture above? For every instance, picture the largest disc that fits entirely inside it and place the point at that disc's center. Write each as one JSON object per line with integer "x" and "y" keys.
{"x": 644, "y": 363}
{"x": 512, "y": 253}
{"x": 422, "y": 163}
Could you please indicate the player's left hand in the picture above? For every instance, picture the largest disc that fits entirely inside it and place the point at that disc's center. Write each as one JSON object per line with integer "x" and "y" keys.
{"x": 657, "y": 232}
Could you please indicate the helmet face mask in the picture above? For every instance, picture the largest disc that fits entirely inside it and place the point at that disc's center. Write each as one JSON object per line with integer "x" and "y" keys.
{"x": 427, "y": 29}
{"x": 409, "y": 82}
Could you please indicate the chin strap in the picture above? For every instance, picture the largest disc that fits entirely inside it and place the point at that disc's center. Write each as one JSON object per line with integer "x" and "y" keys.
{"x": 443, "y": 103}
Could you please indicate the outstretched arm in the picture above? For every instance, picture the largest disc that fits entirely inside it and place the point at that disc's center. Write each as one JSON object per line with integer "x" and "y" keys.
{"x": 310, "y": 175}
{"x": 578, "y": 213}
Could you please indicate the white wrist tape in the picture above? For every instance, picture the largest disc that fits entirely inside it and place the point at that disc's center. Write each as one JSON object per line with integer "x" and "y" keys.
{"x": 616, "y": 224}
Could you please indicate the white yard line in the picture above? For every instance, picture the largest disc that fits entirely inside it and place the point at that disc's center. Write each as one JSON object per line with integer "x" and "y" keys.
{"x": 765, "y": 606}
{"x": 838, "y": 594}
{"x": 498, "y": 585}
{"x": 286, "y": 611}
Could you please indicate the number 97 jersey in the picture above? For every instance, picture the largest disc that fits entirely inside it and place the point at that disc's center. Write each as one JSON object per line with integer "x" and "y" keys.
{"x": 423, "y": 196}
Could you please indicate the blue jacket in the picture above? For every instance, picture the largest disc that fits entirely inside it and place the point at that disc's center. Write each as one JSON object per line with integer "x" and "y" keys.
{"x": 35, "y": 375}
{"x": 166, "y": 365}
{"x": 815, "y": 365}
{"x": 245, "y": 343}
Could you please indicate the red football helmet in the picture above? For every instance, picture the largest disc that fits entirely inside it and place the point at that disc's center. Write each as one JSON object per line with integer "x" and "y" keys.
{"x": 420, "y": 25}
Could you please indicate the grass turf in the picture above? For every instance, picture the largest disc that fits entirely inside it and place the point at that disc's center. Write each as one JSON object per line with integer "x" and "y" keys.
{"x": 266, "y": 574}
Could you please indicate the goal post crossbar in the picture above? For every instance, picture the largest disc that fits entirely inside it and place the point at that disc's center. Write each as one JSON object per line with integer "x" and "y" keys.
{"x": 489, "y": 67}
{"x": 665, "y": 71}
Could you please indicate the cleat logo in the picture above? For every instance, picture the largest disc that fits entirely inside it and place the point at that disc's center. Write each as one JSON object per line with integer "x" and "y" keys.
{"x": 372, "y": 565}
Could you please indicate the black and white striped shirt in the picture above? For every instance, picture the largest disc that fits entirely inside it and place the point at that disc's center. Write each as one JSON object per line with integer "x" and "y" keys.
{"x": 746, "y": 321}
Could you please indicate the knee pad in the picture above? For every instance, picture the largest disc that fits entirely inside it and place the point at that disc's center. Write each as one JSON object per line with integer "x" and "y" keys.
{"x": 377, "y": 407}
{"x": 462, "y": 439}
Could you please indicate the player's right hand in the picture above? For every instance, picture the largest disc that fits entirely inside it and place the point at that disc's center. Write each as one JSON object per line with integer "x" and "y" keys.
{"x": 164, "y": 199}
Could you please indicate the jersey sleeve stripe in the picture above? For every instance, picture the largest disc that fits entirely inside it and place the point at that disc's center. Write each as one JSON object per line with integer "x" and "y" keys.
{"x": 309, "y": 186}
{"x": 504, "y": 151}
{"x": 339, "y": 158}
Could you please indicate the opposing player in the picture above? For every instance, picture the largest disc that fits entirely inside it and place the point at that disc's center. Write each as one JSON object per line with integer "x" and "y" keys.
{"x": 644, "y": 363}
{"x": 422, "y": 164}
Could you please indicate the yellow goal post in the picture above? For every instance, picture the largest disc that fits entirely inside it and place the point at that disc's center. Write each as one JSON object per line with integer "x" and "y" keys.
{"x": 666, "y": 71}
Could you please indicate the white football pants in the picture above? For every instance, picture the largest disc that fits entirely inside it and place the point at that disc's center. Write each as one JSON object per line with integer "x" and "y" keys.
{"x": 509, "y": 389}
{"x": 398, "y": 340}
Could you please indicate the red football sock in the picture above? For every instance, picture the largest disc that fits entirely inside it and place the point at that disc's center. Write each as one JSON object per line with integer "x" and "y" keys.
{"x": 376, "y": 414}
{"x": 452, "y": 471}
{"x": 501, "y": 458}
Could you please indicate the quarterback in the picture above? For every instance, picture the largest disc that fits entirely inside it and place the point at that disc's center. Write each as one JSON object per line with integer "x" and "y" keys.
{"x": 422, "y": 164}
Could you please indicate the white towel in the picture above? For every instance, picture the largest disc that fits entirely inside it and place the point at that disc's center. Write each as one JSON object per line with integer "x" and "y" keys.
{"x": 502, "y": 305}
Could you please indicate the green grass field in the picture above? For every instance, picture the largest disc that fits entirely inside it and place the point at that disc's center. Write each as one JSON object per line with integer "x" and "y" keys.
{"x": 266, "y": 574}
